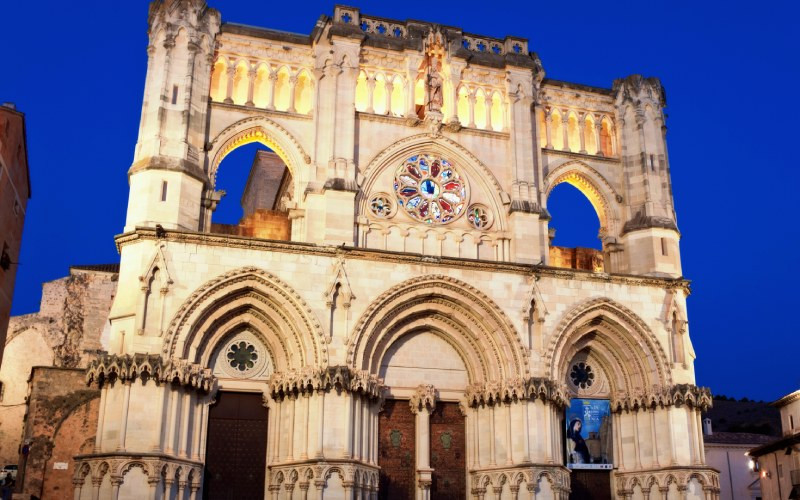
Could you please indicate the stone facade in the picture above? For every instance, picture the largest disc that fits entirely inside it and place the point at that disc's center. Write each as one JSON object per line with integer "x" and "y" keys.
{"x": 15, "y": 190}
{"x": 417, "y": 269}
{"x": 66, "y": 333}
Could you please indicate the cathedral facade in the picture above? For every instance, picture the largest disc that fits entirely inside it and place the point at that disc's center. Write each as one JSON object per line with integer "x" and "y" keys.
{"x": 392, "y": 322}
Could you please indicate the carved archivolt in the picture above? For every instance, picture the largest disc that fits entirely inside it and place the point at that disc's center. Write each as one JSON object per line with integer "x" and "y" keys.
{"x": 310, "y": 380}
{"x": 462, "y": 315}
{"x": 248, "y": 297}
{"x": 632, "y": 356}
{"x": 110, "y": 367}
{"x": 266, "y": 131}
{"x": 654, "y": 481}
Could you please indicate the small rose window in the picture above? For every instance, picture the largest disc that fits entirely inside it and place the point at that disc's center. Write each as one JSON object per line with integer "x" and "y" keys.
{"x": 381, "y": 205}
{"x": 430, "y": 189}
{"x": 479, "y": 217}
{"x": 242, "y": 356}
{"x": 582, "y": 375}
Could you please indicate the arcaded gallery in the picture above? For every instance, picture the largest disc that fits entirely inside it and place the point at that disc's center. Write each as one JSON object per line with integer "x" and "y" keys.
{"x": 389, "y": 319}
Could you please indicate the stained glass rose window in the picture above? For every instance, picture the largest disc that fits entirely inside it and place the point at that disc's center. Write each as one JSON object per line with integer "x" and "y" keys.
{"x": 430, "y": 189}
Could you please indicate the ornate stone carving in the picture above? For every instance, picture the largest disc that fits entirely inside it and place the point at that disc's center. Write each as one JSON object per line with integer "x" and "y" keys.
{"x": 505, "y": 391}
{"x": 128, "y": 367}
{"x": 661, "y": 479}
{"x": 695, "y": 397}
{"x": 340, "y": 378}
{"x": 424, "y": 397}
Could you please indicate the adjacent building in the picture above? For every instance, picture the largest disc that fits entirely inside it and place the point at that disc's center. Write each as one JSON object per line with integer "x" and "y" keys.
{"x": 778, "y": 462}
{"x": 15, "y": 190}
{"x": 727, "y": 452}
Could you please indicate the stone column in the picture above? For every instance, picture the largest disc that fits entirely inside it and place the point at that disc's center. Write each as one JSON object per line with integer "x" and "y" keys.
{"x": 582, "y": 131}
{"x": 370, "y": 94}
{"x": 565, "y": 128}
{"x": 251, "y": 82}
{"x": 152, "y": 486}
{"x": 77, "y": 486}
{"x": 193, "y": 488}
{"x": 181, "y": 489}
{"x": 292, "y": 93}
{"x": 548, "y": 127}
{"x": 123, "y": 427}
{"x": 471, "y": 98}
{"x": 487, "y": 103}
{"x": 116, "y": 482}
{"x": 422, "y": 402}
{"x": 389, "y": 86}
{"x": 230, "y": 72}
{"x": 598, "y": 125}
{"x": 273, "y": 80}
{"x": 653, "y": 437}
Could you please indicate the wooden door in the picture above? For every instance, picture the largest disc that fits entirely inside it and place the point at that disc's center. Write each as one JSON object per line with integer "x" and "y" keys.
{"x": 590, "y": 484}
{"x": 448, "y": 453}
{"x": 236, "y": 449}
{"x": 396, "y": 451}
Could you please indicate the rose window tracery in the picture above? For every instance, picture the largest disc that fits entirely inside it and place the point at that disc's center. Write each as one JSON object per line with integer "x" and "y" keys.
{"x": 242, "y": 356}
{"x": 430, "y": 189}
{"x": 582, "y": 375}
{"x": 479, "y": 217}
{"x": 381, "y": 205}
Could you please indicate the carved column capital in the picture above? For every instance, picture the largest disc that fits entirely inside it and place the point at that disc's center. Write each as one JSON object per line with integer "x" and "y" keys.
{"x": 424, "y": 398}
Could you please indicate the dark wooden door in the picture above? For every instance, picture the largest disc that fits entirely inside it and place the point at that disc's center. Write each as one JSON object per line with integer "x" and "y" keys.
{"x": 396, "y": 451}
{"x": 590, "y": 485}
{"x": 236, "y": 448}
{"x": 448, "y": 453}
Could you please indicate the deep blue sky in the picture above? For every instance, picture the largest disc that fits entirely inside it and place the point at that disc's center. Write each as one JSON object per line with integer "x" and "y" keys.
{"x": 731, "y": 71}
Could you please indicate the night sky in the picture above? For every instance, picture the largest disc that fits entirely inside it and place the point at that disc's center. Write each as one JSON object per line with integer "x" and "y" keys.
{"x": 730, "y": 69}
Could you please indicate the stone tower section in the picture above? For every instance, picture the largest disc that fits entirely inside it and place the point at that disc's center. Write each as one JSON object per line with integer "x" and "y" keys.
{"x": 650, "y": 233}
{"x": 167, "y": 178}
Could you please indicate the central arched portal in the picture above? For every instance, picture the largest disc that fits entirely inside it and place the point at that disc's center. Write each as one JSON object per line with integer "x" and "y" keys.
{"x": 415, "y": 440}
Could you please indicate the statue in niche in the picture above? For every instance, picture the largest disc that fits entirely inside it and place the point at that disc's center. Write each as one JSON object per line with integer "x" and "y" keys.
{"x": 431, "y": 69}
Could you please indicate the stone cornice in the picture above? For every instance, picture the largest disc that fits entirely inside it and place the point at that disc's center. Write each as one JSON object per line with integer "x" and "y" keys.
{"x": 342, "y": 378}
{"x": 506, "y": 391}
{"x": 128, "y": 367}
{"x": 698, "y": 398}
{"x": 539, "y": 270}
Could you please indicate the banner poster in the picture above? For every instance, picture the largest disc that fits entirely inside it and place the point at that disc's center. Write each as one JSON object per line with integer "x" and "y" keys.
{"x": 589, "y": 434}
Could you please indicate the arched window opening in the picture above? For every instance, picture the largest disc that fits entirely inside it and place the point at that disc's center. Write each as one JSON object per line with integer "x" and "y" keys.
{"x": 606, "y": 144}
{"x": 574, "y": 230}
{"x": 419, "y": 98}
{"x": 241, "y": 83}
{"x": 303, "y": 94}
{"x": 257, "y": 190}
{"x": 362, "y": 94}
{"x": 480, "y": 109}
{"x": 379, "y": 95}
{"x": 556, "y": 132}
{"x": 497, "y": 112}
{"x": 261, "y": 88}
{"x": 219, "y": 81}
{"x": 573, "y": 133}
{"x": 398, "y": 97}
{"x": 542, "y": 130}
{"x": 589, "y": 134}
{"x": 282, "y": 90}
{"x": 462, "y": 108}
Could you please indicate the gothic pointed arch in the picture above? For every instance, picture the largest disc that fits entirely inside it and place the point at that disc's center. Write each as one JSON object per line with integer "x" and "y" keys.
{"x": 633, "y": 359}
{"x": 462, "y": 315}
{"x": 267, "y": 132}
{"x": 594, "y": 186}
{"x": 479, "y": 176}
{"x": 254, "y": 299}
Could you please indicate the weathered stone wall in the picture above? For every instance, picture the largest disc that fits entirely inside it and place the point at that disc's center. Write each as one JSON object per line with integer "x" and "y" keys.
{"x": 588, "y": 259}
{"x": 61, "y": 423}
{"x": 14, "y": 194}
{"x": 66, "y": 332}
{"x": 266, "y": 224}
{"x": 263, "y": 185}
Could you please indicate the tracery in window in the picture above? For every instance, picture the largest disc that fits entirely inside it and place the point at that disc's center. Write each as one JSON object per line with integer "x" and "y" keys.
{"x": 430, "y": 189}
{"x": 381, "y": 206}
{"x": 582, "y": 375}
{"x": 479, "y": 217}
